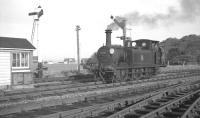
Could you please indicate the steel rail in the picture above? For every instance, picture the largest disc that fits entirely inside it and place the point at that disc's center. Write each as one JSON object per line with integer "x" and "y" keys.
{"x": 191, "y": 111}
{"x": 130, "y": 109}
{"x": 41, "y": 103}
{"x": 81, "y": 113}
{"x": 169, "y": 105}
{"x": 52, "y": 92}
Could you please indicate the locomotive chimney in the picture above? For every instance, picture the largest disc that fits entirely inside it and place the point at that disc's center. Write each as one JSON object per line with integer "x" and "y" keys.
{"x": 108, "y": 37}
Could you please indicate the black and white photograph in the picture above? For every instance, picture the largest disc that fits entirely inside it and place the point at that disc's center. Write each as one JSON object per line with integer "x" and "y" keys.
{"x": 99, "y": 58}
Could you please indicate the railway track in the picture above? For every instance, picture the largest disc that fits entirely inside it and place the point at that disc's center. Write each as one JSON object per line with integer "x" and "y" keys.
{"x": 25, "y": 95}
{"x": 44, "y": 110}
{"x": 177, "y": 71}
{"x": 52, "y": 101}
{"x": 48, "y": 86}
{"x": 66, "y": 79}
{"x": 53, "y": 81}
{"x": 29, "y": 99}
{"x": 176, "y": 103}
{"x": 74, "y": 108}
{"x": 108, "y": 108}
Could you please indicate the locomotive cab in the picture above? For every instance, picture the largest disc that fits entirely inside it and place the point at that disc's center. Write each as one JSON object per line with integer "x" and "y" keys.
{"x": 155, "y": 48}
{"x": 146, "y": 44}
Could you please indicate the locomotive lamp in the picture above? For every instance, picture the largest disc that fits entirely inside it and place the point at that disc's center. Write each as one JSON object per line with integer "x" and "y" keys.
{"x": 112, "y": 51}
{"x": 134, "y": 44}
{"x": 144, "y": 44}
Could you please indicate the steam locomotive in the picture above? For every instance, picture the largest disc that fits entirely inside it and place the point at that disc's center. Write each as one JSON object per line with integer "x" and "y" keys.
{"x": 135, "y": 60}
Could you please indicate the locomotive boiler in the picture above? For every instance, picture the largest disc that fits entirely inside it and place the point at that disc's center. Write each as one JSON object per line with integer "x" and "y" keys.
{"x": 134, "y": 60}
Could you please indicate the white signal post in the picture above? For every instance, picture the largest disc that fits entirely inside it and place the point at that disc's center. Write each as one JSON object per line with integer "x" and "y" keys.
{"x": 122, "y": 25}
{"x": 78, "y": 49}
{"x": 36, "y": 14}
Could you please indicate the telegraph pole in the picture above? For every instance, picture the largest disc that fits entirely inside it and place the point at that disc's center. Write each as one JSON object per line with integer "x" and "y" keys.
{"x": 78, "y": 50}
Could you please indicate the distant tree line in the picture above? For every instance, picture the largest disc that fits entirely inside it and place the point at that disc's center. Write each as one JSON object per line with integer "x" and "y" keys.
{"x": 182, "y": 51}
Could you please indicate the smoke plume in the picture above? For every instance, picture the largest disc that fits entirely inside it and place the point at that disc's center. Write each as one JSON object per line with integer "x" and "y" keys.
{"x": 189, "y": 11}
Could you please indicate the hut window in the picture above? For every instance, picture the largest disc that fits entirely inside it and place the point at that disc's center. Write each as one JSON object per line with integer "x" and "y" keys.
{"x": 20, "y": 59}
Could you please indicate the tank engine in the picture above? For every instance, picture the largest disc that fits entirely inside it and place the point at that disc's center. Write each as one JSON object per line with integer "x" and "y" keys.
{"x": 134, "y": 60}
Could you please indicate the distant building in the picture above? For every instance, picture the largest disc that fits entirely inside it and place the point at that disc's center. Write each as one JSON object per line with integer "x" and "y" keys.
{"x": 16, "y": 61}
{"x": 50, "y": 62}
{"x": 84, "y": 60}
{"x": 69, "y": 61}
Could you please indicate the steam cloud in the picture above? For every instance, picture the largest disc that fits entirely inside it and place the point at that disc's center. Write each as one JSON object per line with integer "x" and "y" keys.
{"x": 190, "y": 10}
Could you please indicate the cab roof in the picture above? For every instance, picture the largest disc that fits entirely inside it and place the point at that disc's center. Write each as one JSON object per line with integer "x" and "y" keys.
{"x": 154, "y": 41}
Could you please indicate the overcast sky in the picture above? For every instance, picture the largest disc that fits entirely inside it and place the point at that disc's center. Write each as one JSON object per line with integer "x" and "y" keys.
{"x": 152, "y": 19}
